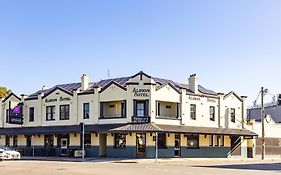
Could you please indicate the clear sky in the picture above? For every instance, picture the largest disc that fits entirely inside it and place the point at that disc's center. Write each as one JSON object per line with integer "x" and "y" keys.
{"x": 231, "y": 45}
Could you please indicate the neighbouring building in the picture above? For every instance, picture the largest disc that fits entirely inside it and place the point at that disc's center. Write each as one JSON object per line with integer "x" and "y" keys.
{"x": 126, "y": 117}
{"x": 272, "y": 128}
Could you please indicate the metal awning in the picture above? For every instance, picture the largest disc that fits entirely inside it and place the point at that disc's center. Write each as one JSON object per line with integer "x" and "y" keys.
{"x": 150, "y": 127}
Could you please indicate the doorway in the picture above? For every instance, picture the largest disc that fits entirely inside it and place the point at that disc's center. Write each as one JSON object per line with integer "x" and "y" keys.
{"x": 102, "y": 147}
{"x": 235, "y": 145}
{"x": 177, "y": 149}
{"x": 141, "y": 145}
{"x": 63, "y": 143}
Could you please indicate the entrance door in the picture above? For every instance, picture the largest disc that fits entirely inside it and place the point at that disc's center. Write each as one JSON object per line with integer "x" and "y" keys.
{"x": 63, "y": 143}
{"x": 177, "y": 145}
{"x": 235, "y": 145}
{"x": 141, "y": 145}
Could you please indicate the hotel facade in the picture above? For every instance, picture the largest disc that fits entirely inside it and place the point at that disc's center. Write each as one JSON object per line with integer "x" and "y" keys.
{"x": 127, "y": 117}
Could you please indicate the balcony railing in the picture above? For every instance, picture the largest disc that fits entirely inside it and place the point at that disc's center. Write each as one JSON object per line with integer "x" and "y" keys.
{"x": 114, "y": 116}
{"x": 136, "y": 119}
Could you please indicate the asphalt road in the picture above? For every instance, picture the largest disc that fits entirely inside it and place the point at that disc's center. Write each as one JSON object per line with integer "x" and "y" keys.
{"x": 186, "y": 167}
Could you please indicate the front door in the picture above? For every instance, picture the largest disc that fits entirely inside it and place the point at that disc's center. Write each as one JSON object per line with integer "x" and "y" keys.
{"x": 63, "y": 144}
{"x": 141, "y": 145}
{"x": 177, "y": 145}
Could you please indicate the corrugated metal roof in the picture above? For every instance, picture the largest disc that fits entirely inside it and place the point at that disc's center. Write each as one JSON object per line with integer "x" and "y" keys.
{"x": 273, "y": 111}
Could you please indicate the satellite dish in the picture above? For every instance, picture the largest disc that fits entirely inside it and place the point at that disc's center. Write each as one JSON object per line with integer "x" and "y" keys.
{"x": 268, "y": 118}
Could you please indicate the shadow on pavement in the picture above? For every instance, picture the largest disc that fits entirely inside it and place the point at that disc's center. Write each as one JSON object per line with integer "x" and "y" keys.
{"x": 258, "y": 166}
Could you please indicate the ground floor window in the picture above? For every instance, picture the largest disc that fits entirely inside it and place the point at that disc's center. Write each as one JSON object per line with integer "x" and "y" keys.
{"x": 7, "y": 141}
{"x": 15, "y": 140}
{"x": 222, "y": 140}
{"x": 192, "y": 141}
{"x": 211, "y": 141}
{"x": 120, "y": 140}
{"x": 28, "y": 141}
{"x": 161, "y": 140}
{"x": 49, "y": 141}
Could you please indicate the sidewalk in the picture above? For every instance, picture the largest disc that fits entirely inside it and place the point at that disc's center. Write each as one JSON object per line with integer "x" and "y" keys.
{"x": 161, "y": 160}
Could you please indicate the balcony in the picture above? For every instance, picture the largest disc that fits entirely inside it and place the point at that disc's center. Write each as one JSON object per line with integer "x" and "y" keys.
{"x": 113, "y": 110}
{"x": 167, "y": 110}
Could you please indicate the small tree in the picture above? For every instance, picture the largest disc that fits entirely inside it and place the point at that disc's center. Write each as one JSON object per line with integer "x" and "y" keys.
{"x": 4, "y": 92}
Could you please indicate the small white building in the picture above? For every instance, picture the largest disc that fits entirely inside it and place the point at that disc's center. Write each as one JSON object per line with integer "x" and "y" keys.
{"x": 122, "y": 116}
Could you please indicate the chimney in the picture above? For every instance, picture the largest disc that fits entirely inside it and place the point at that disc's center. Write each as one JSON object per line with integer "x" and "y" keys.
{"x": 279, "y": 99}
{"x": 193, "y": 83}
{"x": 84, "y": 82}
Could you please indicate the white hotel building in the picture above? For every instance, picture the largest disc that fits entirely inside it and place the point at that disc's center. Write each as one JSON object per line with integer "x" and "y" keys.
{"x": 122, "y": 117}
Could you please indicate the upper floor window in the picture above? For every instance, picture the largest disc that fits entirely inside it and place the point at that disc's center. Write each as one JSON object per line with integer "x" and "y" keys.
{"x": 140, "y": 108}
{"x": 212, "y": 113}
{"x": 64, "y": 112}
{"x": 193, "y": 111}
{"x": 232, "y": 115}
{"x": 7, "y": 115}
{"x": 31, "y": 114}
{"x": 86, "y": 111}
{"x": 50, "y": 112}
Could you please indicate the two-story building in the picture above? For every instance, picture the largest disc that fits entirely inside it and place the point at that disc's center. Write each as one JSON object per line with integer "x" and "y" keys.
{"x": 129, "y": 117}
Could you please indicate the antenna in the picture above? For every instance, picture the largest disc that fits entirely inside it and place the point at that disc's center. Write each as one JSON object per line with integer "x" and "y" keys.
{"x": 108, "y": 73}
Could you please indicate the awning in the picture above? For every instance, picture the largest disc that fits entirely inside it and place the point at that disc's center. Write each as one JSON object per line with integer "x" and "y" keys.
{"x": 150, "y": 127}
{"x": 57, "y": 129}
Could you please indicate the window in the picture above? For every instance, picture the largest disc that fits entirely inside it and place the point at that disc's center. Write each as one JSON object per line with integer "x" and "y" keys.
{"x": 28, "y": 141}
{"x": 120, "y": 141}
{"x": 193, "y": 112}
{"x": 232, "y": 115}
{"x": 140, "y": 109}
{"x": 161, "y": 140}
{"x": 7, "y": 115}
{"x": 31, "y": 114}
{"x": 87, "y": 140}
{"x": 15, "y": 140}
{"x": 192, "y": 141}
{"x": 7, "y": 141}
{"x": 123, "y": 109}
{"x": 64, "y": 112}
{"x": 50, "y": 113}
{"x": 212, "y": 113}
{"x": 211, "y": 141}
{"x": 217, "y": 139}
{"x": 49, "y": 140}
{"x": 222, "y": 140}
{"x": 86, "y": 111}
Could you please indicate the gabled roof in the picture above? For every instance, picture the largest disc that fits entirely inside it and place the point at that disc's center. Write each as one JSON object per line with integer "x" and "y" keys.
{"x": 57, "y": 88}
{"x": 109, "y": 84}
{"x": 233, "y": 93}
{"x": 273, "y": 111}
{"x": 11, "y": 94}
{"x": 169, "y": 84}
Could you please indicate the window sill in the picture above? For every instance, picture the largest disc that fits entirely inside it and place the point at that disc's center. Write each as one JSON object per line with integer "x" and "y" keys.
{"x": 112, "y": 118}
{"x": 51, "y": 120}
{"x": 64, "y": 119}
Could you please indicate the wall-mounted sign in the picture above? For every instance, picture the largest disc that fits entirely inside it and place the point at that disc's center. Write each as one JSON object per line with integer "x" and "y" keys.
{"x": 211, "y": 100}
{"x": 194, "y": 98}
{"x": 15, "y": 114}
{"x": 55, "y": 100}
{"x": 141, "y": 92}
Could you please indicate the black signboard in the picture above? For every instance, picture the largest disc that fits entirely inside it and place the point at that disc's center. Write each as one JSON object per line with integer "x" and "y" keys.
{"x": 140, "y": 119}
{"x": 16, "y": 120}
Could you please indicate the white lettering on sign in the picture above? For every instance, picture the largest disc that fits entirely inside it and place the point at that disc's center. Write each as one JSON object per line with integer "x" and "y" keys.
{"x": 55, "y": 100}
{"x": 194, "y": 98}
{"x": 141, "y": 92}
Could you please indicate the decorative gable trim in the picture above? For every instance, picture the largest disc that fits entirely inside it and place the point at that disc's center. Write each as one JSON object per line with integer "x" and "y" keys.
{"x": 109, "y": 84}
{"x": 233, "y": 93}
{"x": 57, "y": 88}
{"x": 11, "y": 94}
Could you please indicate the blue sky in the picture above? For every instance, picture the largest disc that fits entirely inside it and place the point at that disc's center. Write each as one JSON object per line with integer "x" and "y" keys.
{"x": 231, "y": 45}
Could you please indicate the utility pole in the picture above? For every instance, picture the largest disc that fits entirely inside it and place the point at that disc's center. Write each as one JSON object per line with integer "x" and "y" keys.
{"x": 156, "y": 147}
{"x": 262, "y": 126}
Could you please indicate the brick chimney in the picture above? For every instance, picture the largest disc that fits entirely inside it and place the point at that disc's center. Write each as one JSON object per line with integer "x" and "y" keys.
{"x": 84, "y": 82}
{"x": 193, "y": 83}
